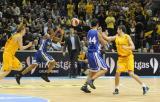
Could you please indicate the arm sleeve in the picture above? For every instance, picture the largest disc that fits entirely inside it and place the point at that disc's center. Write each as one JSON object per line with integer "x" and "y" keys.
{"x": 57, "y": 46}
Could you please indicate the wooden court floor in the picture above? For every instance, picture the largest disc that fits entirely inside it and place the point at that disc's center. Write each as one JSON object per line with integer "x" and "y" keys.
{"x": 68, "y": 90}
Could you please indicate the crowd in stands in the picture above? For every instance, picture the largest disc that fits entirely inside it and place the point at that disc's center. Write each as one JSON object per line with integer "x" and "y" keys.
{"x": 141, "y": 21}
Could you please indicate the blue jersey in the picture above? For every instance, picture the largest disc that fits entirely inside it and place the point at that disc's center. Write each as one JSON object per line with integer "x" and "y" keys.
{"x": 95, "y": 60}
{"x": 93, "y": 41}
{"x": 44, "y": 43}
{"x": 41, "y": 55}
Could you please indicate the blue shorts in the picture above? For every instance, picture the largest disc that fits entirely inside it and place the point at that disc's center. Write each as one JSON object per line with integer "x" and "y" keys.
{"x": 41, "y": 56}
{"x": 96, "y": 62}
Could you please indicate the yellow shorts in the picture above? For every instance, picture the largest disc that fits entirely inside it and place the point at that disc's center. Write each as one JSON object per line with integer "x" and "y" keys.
{"x": 125, "y": 64}
{"x": 10, "y": 62}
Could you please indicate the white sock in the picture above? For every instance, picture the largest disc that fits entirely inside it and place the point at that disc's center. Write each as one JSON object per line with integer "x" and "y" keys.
{"x": 143, "y": 85}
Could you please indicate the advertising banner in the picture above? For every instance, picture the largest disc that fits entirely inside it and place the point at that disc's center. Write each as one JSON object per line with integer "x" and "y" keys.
{"x": 26, "y": 58}
{"x": 146, "y": 64}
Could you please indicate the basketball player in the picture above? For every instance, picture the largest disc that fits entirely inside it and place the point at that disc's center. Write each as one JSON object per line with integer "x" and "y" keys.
{"x": 13, "y": 44}
{"x": 97, "y": 65}
{"x": 42, "y": 56}
{"x": 125, "y": 63}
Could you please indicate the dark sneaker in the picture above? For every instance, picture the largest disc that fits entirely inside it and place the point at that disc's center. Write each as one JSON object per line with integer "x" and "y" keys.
{"x": 45, "y": 78}
{"x": 85, "y": 89}
{"x": 116, "y": 92}
{"x": 18, "y": 78}
{"x": 145, "y": 89}
{"x": 90, "y": 83}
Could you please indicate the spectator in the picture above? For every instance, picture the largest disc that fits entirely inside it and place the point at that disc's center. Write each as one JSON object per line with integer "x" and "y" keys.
{"x": 70, "y": 9}
{"x": 110, "y": 21}
{"x": 82, "y": 63}
{"x": 72, "y": 43}
{"x": 89, "y": 9}
{"x": 81, "y": 10}
{"x": 40, "y": 16}
{"x": 16, "y": 11}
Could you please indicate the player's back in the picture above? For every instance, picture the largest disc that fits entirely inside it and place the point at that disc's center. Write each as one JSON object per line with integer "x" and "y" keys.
{"x": 93, "y": 41}
{"x": 44, "y": 43}
{"x": 12, "y": 44}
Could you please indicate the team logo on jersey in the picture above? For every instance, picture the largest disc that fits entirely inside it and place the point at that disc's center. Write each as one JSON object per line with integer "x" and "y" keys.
{"x": 111, "y": 63}
{"x": 154, "y": 64}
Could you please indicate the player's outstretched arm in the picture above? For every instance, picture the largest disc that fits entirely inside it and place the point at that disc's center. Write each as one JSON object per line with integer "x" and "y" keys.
{"x": 109, "y": 38}
{"x": 105, "y": 37}
{"x": 57, "y": 46}
{"x": 21, "y": 47}
{"x": 100, "y": 38}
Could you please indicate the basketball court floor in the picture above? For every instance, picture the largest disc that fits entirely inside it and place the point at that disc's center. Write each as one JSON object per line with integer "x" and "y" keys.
{"x": 62, "y": 89}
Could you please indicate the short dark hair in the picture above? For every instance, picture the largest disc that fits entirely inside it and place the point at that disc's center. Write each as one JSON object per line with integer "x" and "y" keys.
{"x": 94, "y": 22}
{"x": 122, "y": 27}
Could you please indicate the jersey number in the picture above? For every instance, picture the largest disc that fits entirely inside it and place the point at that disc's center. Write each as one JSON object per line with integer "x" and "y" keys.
{"x": 92, "y": 40}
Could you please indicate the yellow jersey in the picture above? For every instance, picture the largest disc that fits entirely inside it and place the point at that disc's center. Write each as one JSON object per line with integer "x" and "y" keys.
{"x": 122, "y": 41}
{"x": 11, "y": 45}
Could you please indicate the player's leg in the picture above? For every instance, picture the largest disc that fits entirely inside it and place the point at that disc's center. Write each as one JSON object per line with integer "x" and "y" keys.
{"x": 101, "y": 64}
{"x": 85, "y": 87}
{"x": 130, "y": 65}
{"x": 136, "y": 77}
{"x": 93, "y": 68}
{"x": 28, "y": 69}
{"x": 7, "y": 65}
{"x": 117, "y": 79}
{"x": 99, "y": 73}
{"x": 121, "y": 67}
{"x": 50, "y": 64}
{"x": 4, "y": 73}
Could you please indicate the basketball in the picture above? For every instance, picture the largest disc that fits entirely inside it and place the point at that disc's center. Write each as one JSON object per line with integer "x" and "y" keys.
{"x": 75, "y": 22}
